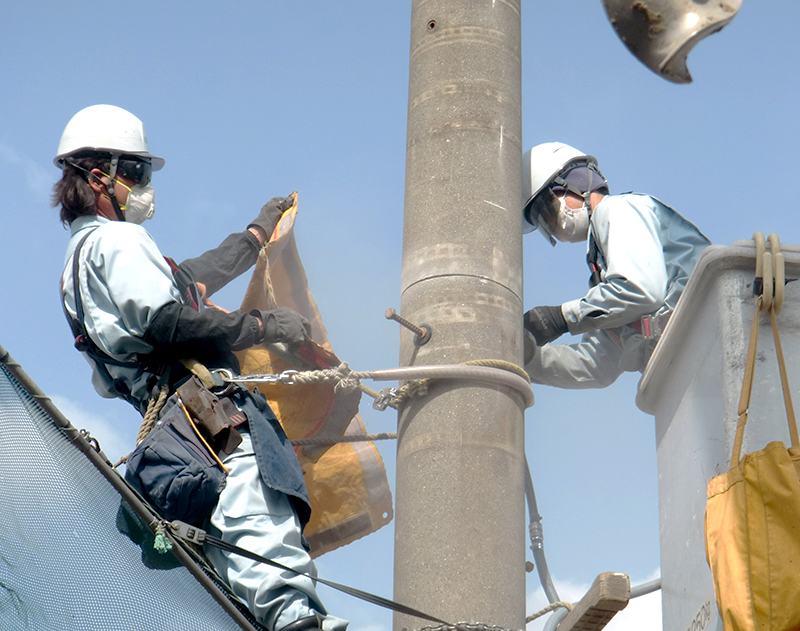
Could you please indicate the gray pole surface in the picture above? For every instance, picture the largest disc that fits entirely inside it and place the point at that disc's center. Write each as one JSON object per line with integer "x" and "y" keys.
{"x": 460, "y": 523}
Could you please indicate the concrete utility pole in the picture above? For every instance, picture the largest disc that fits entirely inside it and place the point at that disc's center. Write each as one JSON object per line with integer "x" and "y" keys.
{"x": 460, "y": 523}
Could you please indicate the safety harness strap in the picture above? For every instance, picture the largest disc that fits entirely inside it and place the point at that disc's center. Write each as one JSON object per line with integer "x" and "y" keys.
{"x": 202, "y": 373}
{"x": 186, "y": 285}
{"x": 198, "y": 536}
{"x": 83, "y": 342}
{"x": 593, "y": 260}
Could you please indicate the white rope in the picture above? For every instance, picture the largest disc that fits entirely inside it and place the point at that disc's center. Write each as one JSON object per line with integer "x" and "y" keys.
{"x": 342, "y": 376}
{"x": 551, "y": 607}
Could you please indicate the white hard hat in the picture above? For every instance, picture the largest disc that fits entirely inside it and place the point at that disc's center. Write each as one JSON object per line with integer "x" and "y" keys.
{"x": 540, "y": 166}
{"x": 105, "y": 129}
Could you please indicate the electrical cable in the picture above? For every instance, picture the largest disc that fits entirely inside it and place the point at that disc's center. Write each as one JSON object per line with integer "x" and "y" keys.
{"x": 537, "y": 539}
{"x": 537, "y": 547}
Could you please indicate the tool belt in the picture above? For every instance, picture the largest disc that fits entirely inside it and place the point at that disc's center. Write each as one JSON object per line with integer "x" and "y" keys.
{"x": 176, "y": 467}
{"x": 216, "y": 418}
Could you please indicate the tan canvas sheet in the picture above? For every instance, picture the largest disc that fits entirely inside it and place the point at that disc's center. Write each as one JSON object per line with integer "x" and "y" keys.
{"x": 347, "y": 484}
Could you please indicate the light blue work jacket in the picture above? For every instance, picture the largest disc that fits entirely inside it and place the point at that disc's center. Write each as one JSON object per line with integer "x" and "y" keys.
{"x": 646, "y": 253}
{"x": 124, "y": 281}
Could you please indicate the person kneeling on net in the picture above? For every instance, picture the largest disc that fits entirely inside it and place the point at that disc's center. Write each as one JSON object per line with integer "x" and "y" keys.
{"x": 138, "y": 318}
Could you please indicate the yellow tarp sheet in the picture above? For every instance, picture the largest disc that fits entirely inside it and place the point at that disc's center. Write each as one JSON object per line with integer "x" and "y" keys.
{"x": 347, "y": 485}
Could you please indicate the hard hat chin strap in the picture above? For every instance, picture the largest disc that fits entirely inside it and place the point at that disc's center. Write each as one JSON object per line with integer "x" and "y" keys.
{"x": 560, "y": 181}
{"x": 112, "y": 194}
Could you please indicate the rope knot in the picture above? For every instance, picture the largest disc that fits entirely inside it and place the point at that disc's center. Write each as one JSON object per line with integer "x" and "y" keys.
{"x": 347, "y": 380}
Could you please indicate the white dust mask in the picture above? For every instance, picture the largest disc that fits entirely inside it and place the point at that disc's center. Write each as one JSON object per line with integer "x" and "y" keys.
{"x": 572, "y": 224}
{"x": 141, "y": 204}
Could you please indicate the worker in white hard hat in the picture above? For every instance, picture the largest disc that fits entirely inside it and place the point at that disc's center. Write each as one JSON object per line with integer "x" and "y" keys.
{"x": 143, "y": 323}
{"x": 640, "y": 254}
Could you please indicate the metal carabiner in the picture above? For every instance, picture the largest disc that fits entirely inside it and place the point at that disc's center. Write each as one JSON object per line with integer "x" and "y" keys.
{"x": 385, "y": 398}
{"x": 287, "y": 377}
{"x": 225, "y": 379}
{"x": 225, "y": 375}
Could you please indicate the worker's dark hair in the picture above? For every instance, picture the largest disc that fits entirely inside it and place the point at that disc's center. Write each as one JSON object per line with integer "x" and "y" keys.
{"x": 72, "y": 192}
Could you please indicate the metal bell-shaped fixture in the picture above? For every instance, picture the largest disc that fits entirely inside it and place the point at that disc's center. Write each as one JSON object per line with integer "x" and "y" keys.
{"x": 661, "y": 33}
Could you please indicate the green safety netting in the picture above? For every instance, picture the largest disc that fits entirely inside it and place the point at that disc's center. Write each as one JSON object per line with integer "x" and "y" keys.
{"x": 64, "y": 565}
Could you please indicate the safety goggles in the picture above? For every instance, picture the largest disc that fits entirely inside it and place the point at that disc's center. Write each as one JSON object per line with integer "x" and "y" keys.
{"x": 139, "y": 171}
{"x": 579, "y": 179}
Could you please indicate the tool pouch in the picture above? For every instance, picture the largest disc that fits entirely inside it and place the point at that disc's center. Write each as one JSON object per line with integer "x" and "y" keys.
{"x": 215, "y": 418}
{"x": 174, "y": 471}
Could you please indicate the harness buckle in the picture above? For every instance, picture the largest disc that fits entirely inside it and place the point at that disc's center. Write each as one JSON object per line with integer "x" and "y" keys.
{"x": 652, "y": 327}
{"x": 82, "y": 343}
{"x": 188, "y": 532}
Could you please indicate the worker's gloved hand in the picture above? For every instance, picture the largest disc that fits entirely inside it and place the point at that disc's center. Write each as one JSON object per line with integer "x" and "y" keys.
{"x": 270, "y": 214}
{"x": 545, "y": 324}
{"x": 283, "y": 325}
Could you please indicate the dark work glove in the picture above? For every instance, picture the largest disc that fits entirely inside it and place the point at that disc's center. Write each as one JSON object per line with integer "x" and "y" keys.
{"x": 270, "y": 214}
{"x": 283, "y": 325}
{"x": 545, "y": 324}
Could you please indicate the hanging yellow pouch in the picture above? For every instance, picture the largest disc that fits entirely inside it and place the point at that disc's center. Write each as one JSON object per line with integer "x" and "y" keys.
{"x": 752, "y": 520}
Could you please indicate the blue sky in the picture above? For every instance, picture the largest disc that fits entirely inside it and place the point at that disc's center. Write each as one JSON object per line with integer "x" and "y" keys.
{"x": 250, "y": 100}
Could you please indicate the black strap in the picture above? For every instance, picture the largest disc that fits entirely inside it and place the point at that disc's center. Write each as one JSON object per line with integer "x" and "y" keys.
{"x": 593, "y": 259}
{"x": 76, "y": 288}
{"x": 86, "y": 344}
{"x": 82, "y": 340}
{"x": 77, "y": 329}
{"x": 112, "y": 193}
{"x": 352, "y": 591}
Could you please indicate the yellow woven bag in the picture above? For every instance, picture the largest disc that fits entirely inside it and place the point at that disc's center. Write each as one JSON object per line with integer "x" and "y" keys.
{"x": 752, "y": 519}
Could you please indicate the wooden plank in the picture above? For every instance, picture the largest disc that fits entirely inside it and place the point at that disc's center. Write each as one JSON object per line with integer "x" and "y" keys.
{"x": 609, "y": 594}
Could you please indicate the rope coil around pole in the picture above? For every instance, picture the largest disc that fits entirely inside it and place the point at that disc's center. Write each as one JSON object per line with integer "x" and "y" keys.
{"x": 495, "y": 372}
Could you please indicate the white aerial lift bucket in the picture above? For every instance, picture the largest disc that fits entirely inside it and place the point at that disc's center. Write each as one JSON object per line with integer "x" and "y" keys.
{"x": 692, "y": 385}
